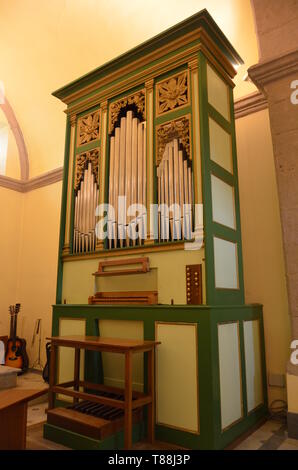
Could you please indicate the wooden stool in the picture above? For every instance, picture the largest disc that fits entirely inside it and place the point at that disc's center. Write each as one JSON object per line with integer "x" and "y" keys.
{"x": 132, "y": 400}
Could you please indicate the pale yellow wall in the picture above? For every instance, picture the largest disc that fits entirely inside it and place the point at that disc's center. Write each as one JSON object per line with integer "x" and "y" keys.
{"x": 264, "y": 271}
{"x": 46, "y": 44}
{"x": 28, "y": 261}
{"x": 11, "y": 204}
{"x": 36, "y": 287}
{"x": 13, "y": 169}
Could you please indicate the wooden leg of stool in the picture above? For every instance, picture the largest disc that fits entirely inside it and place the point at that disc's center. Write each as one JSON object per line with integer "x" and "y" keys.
{"x": 128, "y": 401}
{"x": 52, "y": 377}
{"x": 77, "y": 372}
{"x": 151, "y": 406}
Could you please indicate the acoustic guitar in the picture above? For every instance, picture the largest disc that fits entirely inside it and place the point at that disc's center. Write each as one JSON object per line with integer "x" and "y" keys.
{"x": 16, "y": 354}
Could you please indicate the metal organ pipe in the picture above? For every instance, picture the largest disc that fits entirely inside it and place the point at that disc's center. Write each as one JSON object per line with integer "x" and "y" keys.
{"x": 127, "y": 177}
{"x": 174, "y": 174}
{"x": 86, "y": 198}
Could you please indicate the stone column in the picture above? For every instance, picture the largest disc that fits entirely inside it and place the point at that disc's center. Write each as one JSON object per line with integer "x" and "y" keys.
{"x": 276, "y": 24}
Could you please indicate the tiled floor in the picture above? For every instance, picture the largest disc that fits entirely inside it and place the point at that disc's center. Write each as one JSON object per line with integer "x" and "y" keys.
{"x": 271, "y": 436}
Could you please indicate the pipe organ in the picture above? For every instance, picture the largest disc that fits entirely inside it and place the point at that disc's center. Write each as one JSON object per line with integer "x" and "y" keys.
{"x": 150, "y": 146}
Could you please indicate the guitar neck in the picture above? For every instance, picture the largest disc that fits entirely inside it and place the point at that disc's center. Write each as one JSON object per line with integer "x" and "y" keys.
{"x": 11, "y": 325}
{"x": 15, "y": 328}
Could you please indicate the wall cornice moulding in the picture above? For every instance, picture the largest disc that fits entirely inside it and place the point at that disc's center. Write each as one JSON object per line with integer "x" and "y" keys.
{"x": 250, "y": 104}
{"x": 243, "y": 107}
{"x": 45, "y": 179}
{"x": 274, "y": 69}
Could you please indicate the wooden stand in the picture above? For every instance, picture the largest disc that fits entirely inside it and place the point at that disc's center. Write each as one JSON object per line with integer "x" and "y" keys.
{"x": 113, "y": 398}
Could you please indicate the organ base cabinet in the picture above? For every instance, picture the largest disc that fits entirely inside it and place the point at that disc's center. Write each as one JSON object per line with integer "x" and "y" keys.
{"x": 150, "y": 240}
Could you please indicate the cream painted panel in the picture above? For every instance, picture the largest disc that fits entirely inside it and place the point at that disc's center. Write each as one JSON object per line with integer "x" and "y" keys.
{"x": 113, "y": 364}
{"x": 218, "y": 93}
{"x": 253, "y": 365}
{"x": 177, "y": 376}
{"x": 66, "y": 355}
{"x": 223, "y": 205}
{"x": 79, "y": 284}
{"x": 225, "y": 264}
{"x": 220, "y": 146}
{"x": 229, "y": 374}
{"x": 132, "y": 282}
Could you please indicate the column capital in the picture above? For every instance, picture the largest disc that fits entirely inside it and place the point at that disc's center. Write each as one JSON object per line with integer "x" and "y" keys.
{"x": 149, "y": 84}
{"x": 104, "y": 105}
{"x": 193, "y": 64}
{"x": 73, "y": 120}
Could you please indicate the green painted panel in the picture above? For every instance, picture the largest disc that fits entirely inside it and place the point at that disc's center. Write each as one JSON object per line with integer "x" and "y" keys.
{"x": 207, "y": 318}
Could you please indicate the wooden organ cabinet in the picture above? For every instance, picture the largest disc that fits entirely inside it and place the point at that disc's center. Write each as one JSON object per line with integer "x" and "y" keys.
{"x": 150, "y": 238}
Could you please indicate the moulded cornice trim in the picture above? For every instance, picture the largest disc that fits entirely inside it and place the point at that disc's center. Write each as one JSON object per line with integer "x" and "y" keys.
{"x": 274, "y": 69}
{"x": 250, "y": 104}
{"x": 45, "y": 179}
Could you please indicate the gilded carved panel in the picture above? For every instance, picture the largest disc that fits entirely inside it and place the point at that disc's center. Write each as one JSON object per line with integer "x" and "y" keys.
{"x": 137, "y": 99}
{"x": 88, "y": 128}
{"x": 176, "y": 129}
{"x": 82, "y": 161}
{"x": 172, "y": 93}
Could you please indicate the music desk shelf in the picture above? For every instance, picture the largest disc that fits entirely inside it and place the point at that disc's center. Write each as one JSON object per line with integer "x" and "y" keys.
{"x": 128, "y": 400}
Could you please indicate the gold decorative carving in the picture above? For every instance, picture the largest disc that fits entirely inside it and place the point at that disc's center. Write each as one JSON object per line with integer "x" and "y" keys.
{"x": 137, "y": 99}
{"x": 149, "y": 84}
{"x": 193, "y": 64}
{"x": 104, "y": 105}
{"x": 88, "y": 128}
{"x": 172, "y": 93}
{"x": 73, "y": 120}
{"x": 82, "y": 161}
{"x": 176, "y": 129}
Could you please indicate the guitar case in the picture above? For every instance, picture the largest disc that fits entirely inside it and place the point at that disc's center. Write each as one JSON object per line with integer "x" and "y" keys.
{"x": 45, "y": 372}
